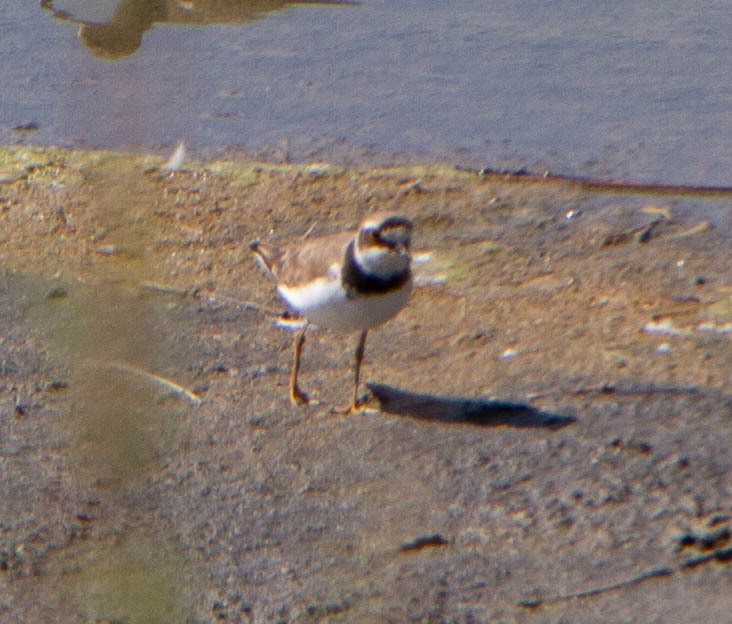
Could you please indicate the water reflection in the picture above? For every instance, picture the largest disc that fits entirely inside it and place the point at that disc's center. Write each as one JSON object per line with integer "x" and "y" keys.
{"x": 111, "y": 344}
{"x": 121, "y": 35}
{"x": 108, "y": 345}
{"x": 640, "y": 93}
{"x": 118, "y": 370}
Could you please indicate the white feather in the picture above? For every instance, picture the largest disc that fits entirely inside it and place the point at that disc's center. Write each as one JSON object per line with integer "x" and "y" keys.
{"x": 324, "y": 303}
{"x": 176, "y": 159}
{"x": 376, "y": 261}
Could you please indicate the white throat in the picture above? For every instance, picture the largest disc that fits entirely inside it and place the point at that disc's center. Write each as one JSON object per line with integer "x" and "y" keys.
{"x": 380, "y": 262}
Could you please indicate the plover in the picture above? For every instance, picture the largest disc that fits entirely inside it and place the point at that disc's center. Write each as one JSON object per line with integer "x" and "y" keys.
{"x": 349, "y": 281}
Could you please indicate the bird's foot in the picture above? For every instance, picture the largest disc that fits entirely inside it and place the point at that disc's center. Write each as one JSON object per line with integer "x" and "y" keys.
{"x": 298, "y": 397}
{"x": 362, "y": 405}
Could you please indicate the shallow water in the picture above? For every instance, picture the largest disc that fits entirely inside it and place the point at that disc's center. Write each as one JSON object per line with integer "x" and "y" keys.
{"x": 627, "y": 91}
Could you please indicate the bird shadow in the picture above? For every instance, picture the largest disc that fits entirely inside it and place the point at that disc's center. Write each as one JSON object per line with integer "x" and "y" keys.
{"x": 464, "y": 410}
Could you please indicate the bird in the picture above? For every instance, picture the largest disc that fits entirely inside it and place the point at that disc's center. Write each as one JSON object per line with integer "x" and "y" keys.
{"x": 348, "y": 281}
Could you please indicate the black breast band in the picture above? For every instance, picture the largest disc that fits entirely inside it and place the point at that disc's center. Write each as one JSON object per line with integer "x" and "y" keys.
{"x": 355, "y": 280}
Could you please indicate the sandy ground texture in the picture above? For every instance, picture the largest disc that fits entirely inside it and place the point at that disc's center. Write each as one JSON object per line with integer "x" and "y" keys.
{"x": 553, "y": 439}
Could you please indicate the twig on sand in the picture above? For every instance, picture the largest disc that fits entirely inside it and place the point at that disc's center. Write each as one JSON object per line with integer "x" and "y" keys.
{"x": 246, "y": 305}
{"x": 163, "y": 381}
{"x": 605, "y": 389}
{"x": 722, "y": 555}
{"x": 164, "y": 288}
{"x": 533, "y": 603}
{"x": 212, "y": 299}
{"x": 642, "y": 233}
{"x": 309, "y": 231}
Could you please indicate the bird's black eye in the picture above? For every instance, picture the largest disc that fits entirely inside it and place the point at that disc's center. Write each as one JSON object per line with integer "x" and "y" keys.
{"x": 394, "y": 236}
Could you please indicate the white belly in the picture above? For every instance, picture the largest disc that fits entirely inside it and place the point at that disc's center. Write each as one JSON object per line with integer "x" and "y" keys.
{"x": 325, "y": 304}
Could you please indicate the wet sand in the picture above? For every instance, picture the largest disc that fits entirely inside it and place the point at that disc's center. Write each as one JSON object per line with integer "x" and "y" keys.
{"x": 553, "y": 436}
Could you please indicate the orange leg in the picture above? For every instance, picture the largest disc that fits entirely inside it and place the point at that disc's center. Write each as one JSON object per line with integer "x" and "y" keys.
{"x": 360, "y": 350}
{"x": 297, "y": 396}
{"x": 355, "y": 407}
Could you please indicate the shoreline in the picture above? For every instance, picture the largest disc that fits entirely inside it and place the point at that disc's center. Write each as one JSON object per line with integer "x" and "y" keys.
{"x": 555, "y": 401}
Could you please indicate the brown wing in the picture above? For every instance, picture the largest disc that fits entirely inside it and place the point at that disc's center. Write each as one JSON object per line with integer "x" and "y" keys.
{"x": 307, "y": 260}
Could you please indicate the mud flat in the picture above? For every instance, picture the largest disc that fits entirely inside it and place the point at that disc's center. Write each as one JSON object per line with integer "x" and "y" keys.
{"x": 555, "y": 423}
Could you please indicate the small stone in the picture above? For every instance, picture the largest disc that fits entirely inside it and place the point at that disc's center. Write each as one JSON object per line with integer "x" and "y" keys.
{"x": 58, "y": 292}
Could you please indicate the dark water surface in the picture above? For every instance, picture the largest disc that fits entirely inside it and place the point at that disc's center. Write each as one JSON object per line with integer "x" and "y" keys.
{"x": 630, "y": 90}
